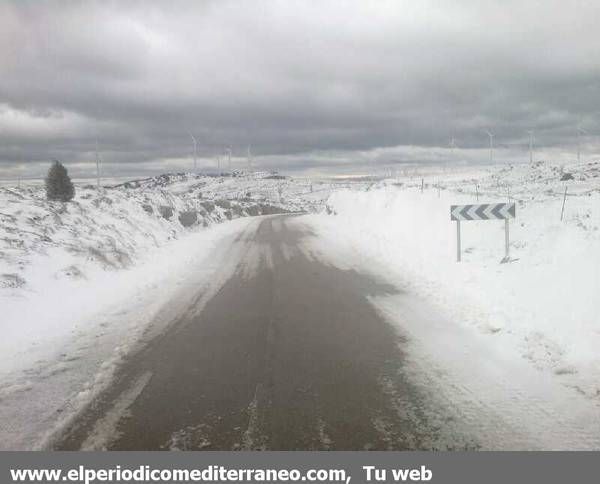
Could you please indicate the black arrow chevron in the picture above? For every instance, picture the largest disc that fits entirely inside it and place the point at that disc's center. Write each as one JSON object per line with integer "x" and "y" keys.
{"x": 480, "y": 211}
{"x": 497, "y": 209}
{"x": 465, "y": 212}
{"x": 486, "y": 211}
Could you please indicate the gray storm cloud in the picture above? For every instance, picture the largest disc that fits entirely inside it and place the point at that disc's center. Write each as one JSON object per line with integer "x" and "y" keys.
{"x": 376, "y": 81}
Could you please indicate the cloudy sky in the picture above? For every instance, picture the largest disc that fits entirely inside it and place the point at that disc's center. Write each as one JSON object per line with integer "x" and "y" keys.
{"x": 312, "y": 86}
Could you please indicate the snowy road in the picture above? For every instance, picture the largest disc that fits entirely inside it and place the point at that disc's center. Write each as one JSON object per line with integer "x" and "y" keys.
{"x": 289, "y": 354}
{"x": 295, "y": 351}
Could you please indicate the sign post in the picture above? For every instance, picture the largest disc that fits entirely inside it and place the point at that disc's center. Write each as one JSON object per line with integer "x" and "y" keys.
{"x": 458, "y": 241}
{"x": 489, "y": 211}
{"x": 506, "y": 242}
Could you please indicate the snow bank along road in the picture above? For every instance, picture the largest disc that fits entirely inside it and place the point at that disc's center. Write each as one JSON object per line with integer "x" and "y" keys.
{"x": 296, "y": 352}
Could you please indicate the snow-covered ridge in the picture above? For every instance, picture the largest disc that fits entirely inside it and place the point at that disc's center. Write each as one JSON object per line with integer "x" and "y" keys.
{"x": 110, "y": 227}
{"x": 544, "y": 303}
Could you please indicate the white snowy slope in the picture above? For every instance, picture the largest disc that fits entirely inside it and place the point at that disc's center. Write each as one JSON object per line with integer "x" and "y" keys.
{"x": 63, "y": 347}
{"x": 536, "y": 318}
{"x": 82, "y": 282}
{"x": 56, "y": 258}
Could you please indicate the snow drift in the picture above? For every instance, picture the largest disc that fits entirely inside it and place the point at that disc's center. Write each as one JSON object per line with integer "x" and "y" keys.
{"x": 544, "y": 302}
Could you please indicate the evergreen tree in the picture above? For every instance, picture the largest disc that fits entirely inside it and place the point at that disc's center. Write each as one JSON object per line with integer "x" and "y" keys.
{"x": 58, "y": 183}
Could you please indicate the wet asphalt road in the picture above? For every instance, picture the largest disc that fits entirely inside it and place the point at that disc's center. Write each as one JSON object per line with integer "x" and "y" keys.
{"x": 287, "y": 355}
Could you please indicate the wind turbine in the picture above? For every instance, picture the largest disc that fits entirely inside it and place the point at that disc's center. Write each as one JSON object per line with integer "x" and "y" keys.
{"x": 453, "y": 147}
{"x": 249, "y": 160}
{"x": 195, "y": 149}
{"x": 531, "y": 132}
{"x": 452, "y": 144}
{"x": 491, "y": 135}
{"x": 20, "y": 168}
{"x": 228, "y": 151}
{"x": 580, "y": 131}
{"x": 98, "y": 160}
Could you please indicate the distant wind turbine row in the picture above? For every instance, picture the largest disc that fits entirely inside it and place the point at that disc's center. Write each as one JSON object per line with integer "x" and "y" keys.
{"x": 227, "y": 152}
{"x": 452, "y": 145}
{"x": 580, "y": 132}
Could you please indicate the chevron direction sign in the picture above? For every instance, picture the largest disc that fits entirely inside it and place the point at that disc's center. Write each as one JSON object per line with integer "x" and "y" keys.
{"x": 490, "y": 211}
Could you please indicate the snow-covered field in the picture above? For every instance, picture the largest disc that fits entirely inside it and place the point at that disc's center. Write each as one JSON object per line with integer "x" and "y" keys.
{"x": 542, "y": 306}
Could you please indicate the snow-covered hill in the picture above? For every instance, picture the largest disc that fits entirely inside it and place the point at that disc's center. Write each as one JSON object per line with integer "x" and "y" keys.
{"x": 111, "y": 227}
